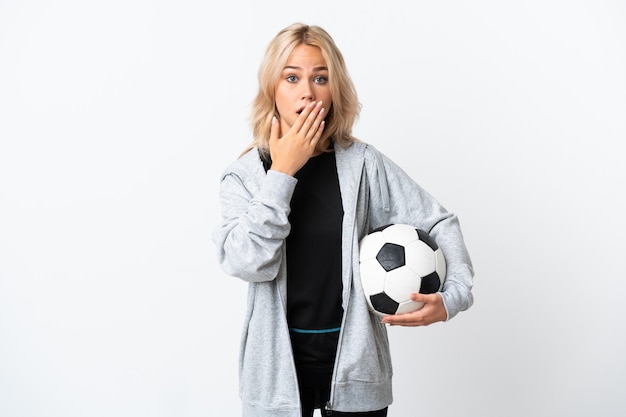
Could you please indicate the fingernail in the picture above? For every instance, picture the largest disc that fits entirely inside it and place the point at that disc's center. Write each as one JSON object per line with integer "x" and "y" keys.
{"x": 274, "y": 121}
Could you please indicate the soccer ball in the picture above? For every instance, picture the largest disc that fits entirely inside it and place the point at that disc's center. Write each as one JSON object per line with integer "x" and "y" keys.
{"x": 395, "y": 261}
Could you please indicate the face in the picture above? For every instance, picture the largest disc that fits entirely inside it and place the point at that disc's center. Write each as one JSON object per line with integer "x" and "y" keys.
{"x": 304, "y": 79}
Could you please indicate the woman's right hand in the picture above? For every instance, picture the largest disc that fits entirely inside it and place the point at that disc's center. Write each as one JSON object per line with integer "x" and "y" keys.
{"x": 290, "y": 152}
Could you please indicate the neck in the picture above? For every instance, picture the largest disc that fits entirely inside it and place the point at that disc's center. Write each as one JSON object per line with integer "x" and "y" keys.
{"x": 322, "y": 147}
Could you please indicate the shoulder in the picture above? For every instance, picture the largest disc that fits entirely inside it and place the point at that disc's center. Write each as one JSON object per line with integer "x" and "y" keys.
{"x": 361, "y": 153}
{"x": 247, "y": 165}
{"x": 372, "y": 157}
{"x": 358, "y": 150}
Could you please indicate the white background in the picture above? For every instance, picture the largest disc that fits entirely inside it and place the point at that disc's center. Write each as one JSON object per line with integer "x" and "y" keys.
{"x": 116, "y": 118}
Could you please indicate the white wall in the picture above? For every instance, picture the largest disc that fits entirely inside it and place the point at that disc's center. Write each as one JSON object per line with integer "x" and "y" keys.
{"x": 117, "y": 117}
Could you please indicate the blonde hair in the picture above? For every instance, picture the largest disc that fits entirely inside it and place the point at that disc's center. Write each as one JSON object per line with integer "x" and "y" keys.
{"x": 345, "y": 108}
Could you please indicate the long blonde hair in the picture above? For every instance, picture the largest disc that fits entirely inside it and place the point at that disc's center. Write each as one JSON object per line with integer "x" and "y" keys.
{"x": 345, "y": 108}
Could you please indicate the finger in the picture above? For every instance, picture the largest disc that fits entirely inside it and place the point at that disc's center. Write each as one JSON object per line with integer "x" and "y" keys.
{"x": 318, "y": 134}
{"x": 401, "y": 320}
{"x": 302, "y": 118}
{"x": 425, "y": 298}
{"x": 274, "y": 134}
{"x": 274, "y": 129}
{"x": 416, "y": 318}
{"x": 309, "y": 126}
{"x": 314, "y": 132}
{"x": 418, "y": 297}
{"x": 433, "y": 311}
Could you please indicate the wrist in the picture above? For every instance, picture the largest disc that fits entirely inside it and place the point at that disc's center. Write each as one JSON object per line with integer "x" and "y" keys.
{"x": 285, "y": 170}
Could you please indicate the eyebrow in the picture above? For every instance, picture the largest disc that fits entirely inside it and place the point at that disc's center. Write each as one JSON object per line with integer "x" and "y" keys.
{"x": 292, "y": 67}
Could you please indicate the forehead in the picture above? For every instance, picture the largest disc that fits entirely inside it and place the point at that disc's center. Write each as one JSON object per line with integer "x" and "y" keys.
{"x": 306, "y": 57}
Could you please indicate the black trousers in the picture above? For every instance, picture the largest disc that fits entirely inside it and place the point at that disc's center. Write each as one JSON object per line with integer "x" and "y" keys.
{"x": 313, "y": 398}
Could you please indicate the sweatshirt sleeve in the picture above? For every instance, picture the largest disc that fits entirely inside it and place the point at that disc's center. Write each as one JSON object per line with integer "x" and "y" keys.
{"x": 409, "y": 203}
{"x": 250, "y": 237}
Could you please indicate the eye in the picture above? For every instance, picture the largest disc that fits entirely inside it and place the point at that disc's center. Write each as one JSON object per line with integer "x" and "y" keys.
{"x": 292, "y": 78}
{"x": 320, "y": 79}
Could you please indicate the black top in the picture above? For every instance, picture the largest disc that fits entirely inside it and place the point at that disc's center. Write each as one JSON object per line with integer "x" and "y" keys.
{"x": 314, "y": 286}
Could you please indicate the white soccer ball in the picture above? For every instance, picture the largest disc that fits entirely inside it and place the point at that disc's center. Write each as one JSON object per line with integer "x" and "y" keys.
{"x": 395, "y": 261}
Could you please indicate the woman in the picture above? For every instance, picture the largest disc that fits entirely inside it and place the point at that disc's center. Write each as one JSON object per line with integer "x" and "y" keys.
{"x": 294, "y": 208}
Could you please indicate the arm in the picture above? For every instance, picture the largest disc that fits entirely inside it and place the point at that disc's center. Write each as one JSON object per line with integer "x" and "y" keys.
{"x": 411, "y": 204}
{"x": 255, "y": 219}
{"x": 254, "y": 225}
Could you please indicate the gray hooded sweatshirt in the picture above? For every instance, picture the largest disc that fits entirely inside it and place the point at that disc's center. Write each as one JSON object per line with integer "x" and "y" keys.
{"x": 250, "y": 245}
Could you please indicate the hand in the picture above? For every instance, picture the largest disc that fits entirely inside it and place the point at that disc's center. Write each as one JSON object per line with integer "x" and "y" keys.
{"x": 432, "y": 311}
{"x": 290, "y": 152}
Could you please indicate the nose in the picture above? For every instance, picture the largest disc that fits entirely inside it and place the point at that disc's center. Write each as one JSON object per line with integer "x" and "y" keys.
{"x": 307, "y": 92}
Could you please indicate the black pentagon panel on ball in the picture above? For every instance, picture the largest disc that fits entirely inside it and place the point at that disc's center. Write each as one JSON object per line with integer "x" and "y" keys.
{"x": 383, "y": 303}
{"x": 391, "y": 256}
{"x": 381, "y": 228}
{"x": 430, "y": 284}
{"x": 425, "y": 237}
